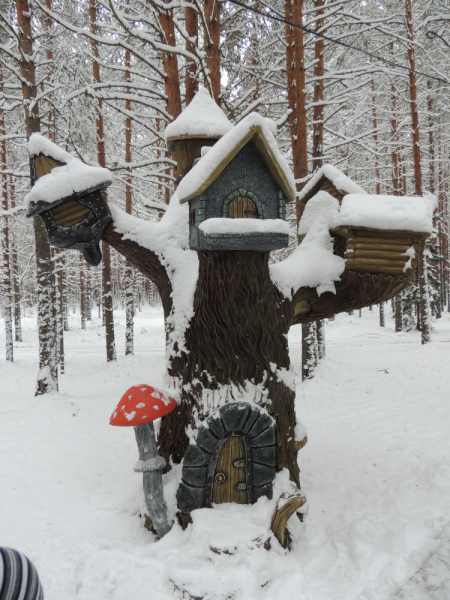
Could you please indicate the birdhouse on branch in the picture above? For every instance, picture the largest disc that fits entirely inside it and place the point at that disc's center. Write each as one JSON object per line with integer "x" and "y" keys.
{"x": 237, "y": 191}
{"x": 376, "y": 234}
{"x": 67, "y": 196}
{"x": 200, "y": 125}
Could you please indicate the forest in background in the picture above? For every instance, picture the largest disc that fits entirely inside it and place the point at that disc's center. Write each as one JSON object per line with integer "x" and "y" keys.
{"x": 363, "y": 87}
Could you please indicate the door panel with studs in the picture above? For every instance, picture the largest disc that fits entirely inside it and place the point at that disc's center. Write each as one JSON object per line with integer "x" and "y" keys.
{"x": 229, "y": 476}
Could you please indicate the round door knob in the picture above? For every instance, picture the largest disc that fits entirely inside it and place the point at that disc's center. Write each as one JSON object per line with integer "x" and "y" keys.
{"x": 220, "y": 477}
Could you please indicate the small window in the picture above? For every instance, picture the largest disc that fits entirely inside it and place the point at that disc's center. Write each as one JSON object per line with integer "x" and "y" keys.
{"x": 242, "y": 208}
{"x": 192, "y": 218}
{"x": 70, "y": 213}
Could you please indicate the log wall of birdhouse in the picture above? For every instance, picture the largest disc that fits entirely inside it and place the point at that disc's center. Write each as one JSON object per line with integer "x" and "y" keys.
{"x": 370, "y": 250}
{"x": 244, "y": 189}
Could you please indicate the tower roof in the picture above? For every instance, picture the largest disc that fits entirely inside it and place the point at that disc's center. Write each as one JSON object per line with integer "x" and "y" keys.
{"x": 202, "y": 118}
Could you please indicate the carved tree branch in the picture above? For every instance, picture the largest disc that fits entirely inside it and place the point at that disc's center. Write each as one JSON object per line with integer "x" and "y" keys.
{"x": 146, "y": 261}
{"x": 354, "y": 290}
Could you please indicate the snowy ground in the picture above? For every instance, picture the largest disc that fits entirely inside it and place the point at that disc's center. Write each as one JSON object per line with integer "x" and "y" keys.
{"x": 376, "y": 472}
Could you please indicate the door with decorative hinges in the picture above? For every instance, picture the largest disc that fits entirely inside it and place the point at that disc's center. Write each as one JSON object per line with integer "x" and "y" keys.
{"x": 230, "y": 482}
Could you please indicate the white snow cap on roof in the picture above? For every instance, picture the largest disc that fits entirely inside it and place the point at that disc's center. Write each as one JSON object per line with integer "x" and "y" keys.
{"x": 201, "y": 172}
{"x": 337, "y": 178}
{"x": 202, "y": 117}
{"x": 412, "y": 213}
{"x": 62, "y": 182}
{"x": 321, "y": 206}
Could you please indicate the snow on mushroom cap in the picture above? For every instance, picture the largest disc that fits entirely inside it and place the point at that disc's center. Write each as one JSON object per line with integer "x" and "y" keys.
{"x": 141, "y": 404}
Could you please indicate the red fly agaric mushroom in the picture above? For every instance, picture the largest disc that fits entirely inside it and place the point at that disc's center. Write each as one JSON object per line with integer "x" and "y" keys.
{"x": 139, "y": 407}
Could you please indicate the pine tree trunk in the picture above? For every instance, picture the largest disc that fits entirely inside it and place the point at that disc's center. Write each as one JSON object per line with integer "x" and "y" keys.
{"x": 309, "y": 350}
{"x": 129, "y": 309}
{"x": 317, "y": 150}
{"x": 382, "y": 319}
{"x": 106, "y": 263}
{"x": 48, "y": 371}
{"x": 82, "y": 293}
{"x": 295, "y": 72}
{"x": 129, "y": 295}
{"x": 425, "y": 324}
{"x": 191, "y": 23}
{"x": 48, "y": 355}
{"x": 320, "y": 327}
{"x": 398, "y": 313}
{"x": 15, "y": 274}
{"x": 62, "y": 310}
{"x": 6, "y": 299}
{"x": 375, "y": 139}
{"x": 211, "y": 10}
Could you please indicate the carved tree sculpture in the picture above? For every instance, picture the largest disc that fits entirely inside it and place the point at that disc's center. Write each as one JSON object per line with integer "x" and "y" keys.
{"x": 228, "y": 313}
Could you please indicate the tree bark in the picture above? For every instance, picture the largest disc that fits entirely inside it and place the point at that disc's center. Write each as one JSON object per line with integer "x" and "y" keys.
{"x": 48, "y": 371}
{"x": 236, "y": 336}
{"x": 425, "y": 325}
{"x": 211, "y": 10}
{"x": 295, "y": 71}
{"x": 317, "y": 151}
{"x": 6, "y": 270}
{"x": 382, "y": 319}
{"x": 106, "y": 263}
{"x": 129, "y": 296}
{"x": 191, "y": 23}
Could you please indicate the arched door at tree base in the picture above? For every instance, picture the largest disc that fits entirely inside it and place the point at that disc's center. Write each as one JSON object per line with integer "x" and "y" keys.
{"x": 232, "y": 459}
{"x": 230, "y": 484}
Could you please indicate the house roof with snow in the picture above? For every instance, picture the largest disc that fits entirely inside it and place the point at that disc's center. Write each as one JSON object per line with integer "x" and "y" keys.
{"x": 253, "y": 129}
{"x": 202, "y": 118}
{"x": 396, "y": 213}
{"x": 71, "y": 179}
{"x": 332, "y": 180}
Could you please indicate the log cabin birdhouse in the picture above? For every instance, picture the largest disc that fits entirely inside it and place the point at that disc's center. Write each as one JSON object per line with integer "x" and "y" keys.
{"x": 237, "y": 190}
{"x": 376, "y": 234}
{"x": 67, "y": 196}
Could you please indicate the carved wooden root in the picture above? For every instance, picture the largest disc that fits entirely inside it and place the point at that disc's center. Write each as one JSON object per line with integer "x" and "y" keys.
{"x": 281, "y": 517}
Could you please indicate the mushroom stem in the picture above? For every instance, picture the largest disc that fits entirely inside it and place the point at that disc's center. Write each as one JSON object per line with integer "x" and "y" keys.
{"x": 150, "y": 464}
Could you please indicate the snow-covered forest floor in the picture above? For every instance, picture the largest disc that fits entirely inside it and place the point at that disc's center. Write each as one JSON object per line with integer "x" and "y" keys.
{"x": 376, "y": 473}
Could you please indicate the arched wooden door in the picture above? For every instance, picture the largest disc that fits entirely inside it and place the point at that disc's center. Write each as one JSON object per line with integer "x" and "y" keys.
{"x": 229, "y": 476}
{"x": 233, "y": 459}
{"x": 242, "y": 208}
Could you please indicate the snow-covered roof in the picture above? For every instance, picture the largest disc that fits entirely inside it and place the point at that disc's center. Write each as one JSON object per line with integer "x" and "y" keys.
{"x": 322, "y": 206}
{"x": 410, "y": 213}
{"x": 254, "y": 128}
{"x": 322, "y": 179}
{"x": 72, "y": 178}
{"x": 201, "y": 118}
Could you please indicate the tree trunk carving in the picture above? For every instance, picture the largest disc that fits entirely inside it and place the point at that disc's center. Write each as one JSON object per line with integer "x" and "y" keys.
{"x": 237, "y": 339}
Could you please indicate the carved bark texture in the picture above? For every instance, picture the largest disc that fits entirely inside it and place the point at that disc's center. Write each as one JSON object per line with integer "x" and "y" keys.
{"x": 239, "y": 329}
{"x": 354, "y": 291}
{"x": 145, "y": 261}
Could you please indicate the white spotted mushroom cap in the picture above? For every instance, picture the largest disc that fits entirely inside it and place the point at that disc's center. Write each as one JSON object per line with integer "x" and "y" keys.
{"x": 141, "y": 404}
